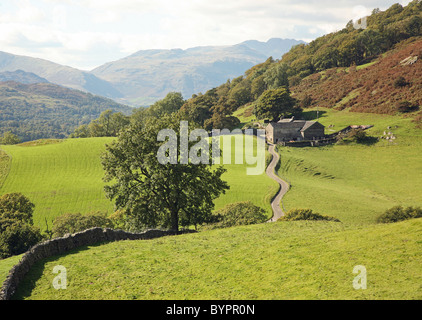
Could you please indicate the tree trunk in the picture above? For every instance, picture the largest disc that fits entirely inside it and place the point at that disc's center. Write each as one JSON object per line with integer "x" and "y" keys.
{"x": 175, "y": 221}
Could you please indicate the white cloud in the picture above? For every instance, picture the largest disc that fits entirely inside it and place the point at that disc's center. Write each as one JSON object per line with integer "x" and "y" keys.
{"x": 87, "y": 33}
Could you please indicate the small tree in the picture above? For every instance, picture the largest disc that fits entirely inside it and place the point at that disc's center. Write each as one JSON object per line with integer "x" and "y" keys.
{"x": 16, "y": 206}
{"x": 17, "y": 234}
{"x": 17, "y": 238}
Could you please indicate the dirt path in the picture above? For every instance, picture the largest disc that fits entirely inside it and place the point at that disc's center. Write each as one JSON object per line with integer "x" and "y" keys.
{"x": 284, "y": 186}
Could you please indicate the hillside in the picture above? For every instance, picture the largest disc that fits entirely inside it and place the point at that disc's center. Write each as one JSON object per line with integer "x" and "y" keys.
{"x": 356, "y": 182}
{"x": 58, "y": 74}
{"x": 21, "y": 76}
{"x": 149, "y": 75}
{"x": 373, "y": 87}
{"x": 271, "y": 261}
{"x": 375, "y": 70}
{"x": 46, "y": 110}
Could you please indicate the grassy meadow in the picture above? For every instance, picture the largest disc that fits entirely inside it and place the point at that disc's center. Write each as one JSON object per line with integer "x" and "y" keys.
{"x": 282, "y": 260}
{"x": 65, "y": 176}
{"x": 356, "y": 183}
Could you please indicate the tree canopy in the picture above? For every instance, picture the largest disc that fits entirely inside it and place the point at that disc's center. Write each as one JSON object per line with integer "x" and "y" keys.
{"x": 155, "y": 194}
{"x": 274, "y": 104}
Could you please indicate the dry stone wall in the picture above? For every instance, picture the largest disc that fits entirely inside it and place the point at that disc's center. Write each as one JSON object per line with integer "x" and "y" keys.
{"x": 69, "y": 242}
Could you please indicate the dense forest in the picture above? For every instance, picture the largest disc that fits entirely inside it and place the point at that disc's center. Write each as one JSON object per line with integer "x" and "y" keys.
{"x": 45, "y": 110}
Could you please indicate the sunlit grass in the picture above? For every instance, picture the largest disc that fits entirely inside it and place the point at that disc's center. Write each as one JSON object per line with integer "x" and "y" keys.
{"x": 283, "y": 260}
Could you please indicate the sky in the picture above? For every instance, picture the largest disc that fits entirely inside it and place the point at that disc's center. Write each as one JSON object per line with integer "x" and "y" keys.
{"x": 88, "y": 33}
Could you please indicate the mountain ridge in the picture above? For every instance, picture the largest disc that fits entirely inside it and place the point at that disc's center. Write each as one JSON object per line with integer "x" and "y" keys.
{"x": 56, "y": 73}
{"x": 155, "y": 72}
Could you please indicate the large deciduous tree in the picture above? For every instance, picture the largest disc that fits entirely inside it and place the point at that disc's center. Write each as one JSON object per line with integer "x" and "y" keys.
{"x": 155, "y": 194}
{"x": 274, "y": 104}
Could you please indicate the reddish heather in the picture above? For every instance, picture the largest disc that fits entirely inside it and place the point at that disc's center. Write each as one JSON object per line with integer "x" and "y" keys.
{"x": 372, "y": 89}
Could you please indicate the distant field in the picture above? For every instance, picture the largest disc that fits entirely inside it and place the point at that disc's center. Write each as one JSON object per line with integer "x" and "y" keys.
{"x": 282, "y": 260}
{"x": 5, "y": 162}
{"x": 60, "y": 177}
{"x": 65, "y": 176}
{"x": 353, "y": 182}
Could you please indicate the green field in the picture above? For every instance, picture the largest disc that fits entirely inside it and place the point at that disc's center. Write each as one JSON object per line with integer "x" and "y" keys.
{"x": 59, "y": 177}
{"x": 282, "y": 260}
{"x": 356, "y": 183}
{"x": 66, "y": 177}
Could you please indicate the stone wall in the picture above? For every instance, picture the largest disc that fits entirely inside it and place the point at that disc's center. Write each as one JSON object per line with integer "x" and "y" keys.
{"x": 62, "y": 245}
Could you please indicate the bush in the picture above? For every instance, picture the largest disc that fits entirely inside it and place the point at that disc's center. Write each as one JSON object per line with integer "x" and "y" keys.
{"x": 406, "y": 107}
{"x": 120, "y": 220}
{"x": 399, "y": 213}
{"x": 356, "y": 136}
{"x": 16, "y": 206}
{"x": 10, "y": 138}
{"x": 240, "y": 213}
{"x": 18, "y": 237}
{"x": 17, "y": 234}
{"x": 305, "y": 214}
{"x": 400, "y": 82}
{"x": 76, "y": 222}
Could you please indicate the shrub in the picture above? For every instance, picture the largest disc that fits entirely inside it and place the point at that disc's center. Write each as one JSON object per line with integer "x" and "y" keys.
{"x": 239, "y": 213}
{"x": 399, "y": 213}
{"x": 356, "y": 136}
{"x": 17, "y": 234}
{"x": 10, "y": 138}
{"x": 406, "y": 106}
{"x": 119, "y": 220}
{"x": 17, "y": 207}
{"x": 76, "y": 222}
{"x": 17, "y": 237}
{"x": 400, "y": 82}
{"x": 305, "y": 214}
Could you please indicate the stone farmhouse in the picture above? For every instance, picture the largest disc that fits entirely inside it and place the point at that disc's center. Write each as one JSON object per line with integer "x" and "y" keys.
{"x": 287, "y": 130}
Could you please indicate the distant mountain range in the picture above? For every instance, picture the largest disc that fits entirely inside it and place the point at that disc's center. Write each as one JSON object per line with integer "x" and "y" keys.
{"x": 58, "y": 74}
{"x": 148, "y": 75}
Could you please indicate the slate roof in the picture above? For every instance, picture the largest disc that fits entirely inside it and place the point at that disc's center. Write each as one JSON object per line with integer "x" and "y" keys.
{"x": 300, "y": 125}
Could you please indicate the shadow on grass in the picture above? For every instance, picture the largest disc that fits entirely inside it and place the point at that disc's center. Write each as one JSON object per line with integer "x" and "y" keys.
{"x": 367, "y": 141}
{"x": 28, "y": 284}
{"x": 313, "y": 114}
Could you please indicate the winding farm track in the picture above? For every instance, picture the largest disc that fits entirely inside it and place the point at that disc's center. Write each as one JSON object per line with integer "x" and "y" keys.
{"x": 284, "y": 186}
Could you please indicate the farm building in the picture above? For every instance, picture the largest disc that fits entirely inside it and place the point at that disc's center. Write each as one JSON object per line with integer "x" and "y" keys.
{"x": 294, "y": 130}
